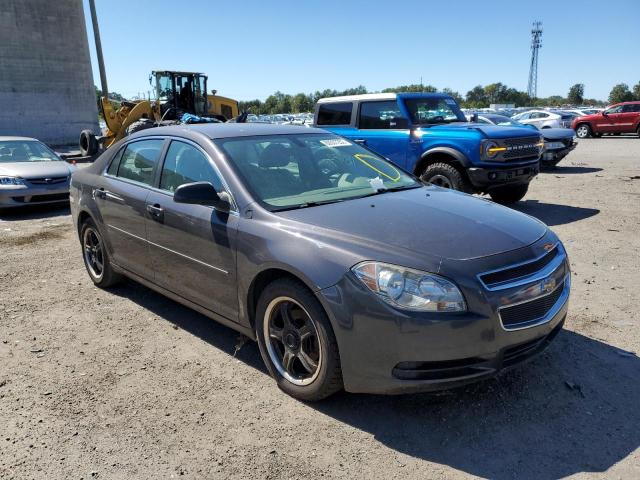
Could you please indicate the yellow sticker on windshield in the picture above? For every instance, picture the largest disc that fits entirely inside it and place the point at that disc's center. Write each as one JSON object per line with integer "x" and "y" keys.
{"x": 393, "y": 175}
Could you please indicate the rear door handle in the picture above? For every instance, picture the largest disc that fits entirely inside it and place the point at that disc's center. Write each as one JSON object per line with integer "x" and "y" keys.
{"x": 156, "y": 212}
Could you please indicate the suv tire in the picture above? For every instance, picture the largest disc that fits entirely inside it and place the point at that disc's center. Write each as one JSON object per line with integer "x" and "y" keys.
{"x": 95, "y": 256}
{"x": 446, "y": 176}
{"x": 509, "y": 193}
{"x": 291, "y": 323}
{"x": 583, "y": 130}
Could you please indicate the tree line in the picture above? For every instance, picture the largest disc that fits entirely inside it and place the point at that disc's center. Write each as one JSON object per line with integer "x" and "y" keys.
{"x": 478, "y": 97}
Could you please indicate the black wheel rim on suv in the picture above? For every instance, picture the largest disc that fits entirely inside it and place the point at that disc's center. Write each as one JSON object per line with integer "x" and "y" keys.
{"x": 93, "y": 256}
{"x": 440, "y": 181}
{"x": 292, "y": 341}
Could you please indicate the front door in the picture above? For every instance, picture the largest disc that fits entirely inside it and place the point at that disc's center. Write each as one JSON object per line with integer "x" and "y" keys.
{"x": 383, "y": 128}
{"x": 192, "y": 247}
{"x": 607, "y": 120}
{"x": 121, "y": 199}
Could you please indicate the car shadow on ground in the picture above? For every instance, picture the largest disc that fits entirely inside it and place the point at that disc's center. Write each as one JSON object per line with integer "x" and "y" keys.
{"x": 34, "y": 212}
{"x": 562, "y": 169}
{"x": 573, "y": 409}
{"x": 554, "y": 214}
{"x": 205, "y": 328}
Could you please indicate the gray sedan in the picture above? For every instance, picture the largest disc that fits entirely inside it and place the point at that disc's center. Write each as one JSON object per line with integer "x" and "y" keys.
{"x": 31, "y": 173}
{"x": 348, "y": 272}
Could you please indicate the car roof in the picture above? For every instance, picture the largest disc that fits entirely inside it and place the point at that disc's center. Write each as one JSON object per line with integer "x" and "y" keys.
{"x": 26, "y": 139}
{"x": 382, "y": 96}
{"x": 228, "y": 130}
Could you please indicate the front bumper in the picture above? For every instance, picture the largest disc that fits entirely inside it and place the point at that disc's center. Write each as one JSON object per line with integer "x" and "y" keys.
{"x": 557, "y": 154}
{"x": 389, "y": 351}
{"x": 20, "y": 196}
{"x": 484, "y": 179}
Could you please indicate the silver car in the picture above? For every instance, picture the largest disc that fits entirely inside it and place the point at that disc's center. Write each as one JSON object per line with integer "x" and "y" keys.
{"x": 31, "y": 173}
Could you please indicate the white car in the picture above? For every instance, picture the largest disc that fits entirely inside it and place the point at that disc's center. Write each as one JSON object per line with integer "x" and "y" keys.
{"x": 544, "y": 119}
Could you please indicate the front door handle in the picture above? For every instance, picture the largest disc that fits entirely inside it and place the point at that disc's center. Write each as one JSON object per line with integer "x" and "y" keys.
{"x": 156, "y": 212}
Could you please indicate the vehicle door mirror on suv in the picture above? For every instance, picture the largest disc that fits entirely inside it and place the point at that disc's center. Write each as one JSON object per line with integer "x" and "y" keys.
{"x": 202, "y": 193}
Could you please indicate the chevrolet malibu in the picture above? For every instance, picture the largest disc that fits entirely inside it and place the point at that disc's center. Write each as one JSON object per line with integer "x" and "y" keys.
{"x": 347, "y": 271}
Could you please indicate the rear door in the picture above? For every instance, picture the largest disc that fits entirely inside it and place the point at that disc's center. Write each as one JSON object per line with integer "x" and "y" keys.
{"x": 121, "y": 199}
{"x": 627, "y": 118}
{"x": 192, "y": 247}
{"x": 383, "y": 128}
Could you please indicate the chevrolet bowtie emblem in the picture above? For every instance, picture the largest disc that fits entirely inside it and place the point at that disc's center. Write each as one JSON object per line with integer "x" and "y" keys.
{"x": 548, "y": 285}
{"x": 548, "y": 246}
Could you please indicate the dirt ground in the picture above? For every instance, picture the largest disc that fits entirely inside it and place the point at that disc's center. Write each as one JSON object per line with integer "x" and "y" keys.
{"x": 127, "y": 384}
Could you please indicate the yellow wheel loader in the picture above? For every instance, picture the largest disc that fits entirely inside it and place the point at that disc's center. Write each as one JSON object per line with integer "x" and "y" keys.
{"x": 176, "y": 93}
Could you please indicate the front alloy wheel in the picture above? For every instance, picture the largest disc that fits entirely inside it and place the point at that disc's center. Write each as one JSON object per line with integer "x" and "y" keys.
{"x": 297, "y": 342}
{"x": 293, "y": 342}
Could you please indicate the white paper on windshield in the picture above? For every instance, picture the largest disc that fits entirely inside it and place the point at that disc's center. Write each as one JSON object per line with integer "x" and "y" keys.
{"x": 376, "y": 184}
{"x": 335, "y": 142}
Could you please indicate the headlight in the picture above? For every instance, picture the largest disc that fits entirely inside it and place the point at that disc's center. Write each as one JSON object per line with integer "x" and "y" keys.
{"x": 11, "y": 181}
{"x": 491, "y": 149}
{"x": 410, "y": 289}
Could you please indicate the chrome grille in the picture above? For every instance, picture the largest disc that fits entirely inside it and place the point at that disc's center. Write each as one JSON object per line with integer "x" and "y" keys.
{"x": 512, "y": 273}
{"x": 531, "y": 312}
{"x": 47, "y": 180}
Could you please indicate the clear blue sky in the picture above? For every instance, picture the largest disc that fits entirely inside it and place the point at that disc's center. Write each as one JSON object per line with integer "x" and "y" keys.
{"x": 250, "y": 49}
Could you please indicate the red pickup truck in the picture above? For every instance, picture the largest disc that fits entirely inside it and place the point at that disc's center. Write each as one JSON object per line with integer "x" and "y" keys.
{"x": 618, "y": 118}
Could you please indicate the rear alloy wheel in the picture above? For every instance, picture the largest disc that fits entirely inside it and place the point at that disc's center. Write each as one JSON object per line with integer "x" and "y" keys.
{"x": 96, "y": 258}
{"x": 509, "y": 193}
{"x": 583, "y": 131}
{"x": 445, "y": 176}
{"x": 296, "y": 341}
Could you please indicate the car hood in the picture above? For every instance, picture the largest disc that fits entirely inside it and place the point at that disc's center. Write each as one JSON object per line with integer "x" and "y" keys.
{"x": 557, "y": 133}
{"x": 489, "y": 131}
{"x": 427, "y": 221}
{"x": 36, "y": 169}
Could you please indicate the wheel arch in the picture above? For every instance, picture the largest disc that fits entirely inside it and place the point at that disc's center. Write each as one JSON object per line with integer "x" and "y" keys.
{"x": 446, "y": 155}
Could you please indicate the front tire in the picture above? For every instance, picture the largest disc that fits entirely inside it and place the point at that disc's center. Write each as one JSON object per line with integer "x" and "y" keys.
{"x": 296, "y": 341}
{"x": 509, "y": 193}
{"x": 95, "y": 256}
{"x": 583, "y": 131}
{"x": 446, "y": 176}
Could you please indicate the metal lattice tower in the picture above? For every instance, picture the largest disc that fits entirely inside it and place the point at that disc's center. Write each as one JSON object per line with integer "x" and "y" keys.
{"x": 536, "y": 43}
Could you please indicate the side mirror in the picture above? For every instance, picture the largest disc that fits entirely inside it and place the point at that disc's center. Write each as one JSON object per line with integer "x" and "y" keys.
{"x": 474, "y": 118}
{"x": 604, "y": 114}
{"x": 202, "y": 193}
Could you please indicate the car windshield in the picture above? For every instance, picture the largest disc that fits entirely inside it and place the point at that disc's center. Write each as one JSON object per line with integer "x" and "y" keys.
{"x": 304, "y": 170}
{"x": 503, "y": 121}
{"x": 429, "y": 111}
{"x": 25, "y": 151}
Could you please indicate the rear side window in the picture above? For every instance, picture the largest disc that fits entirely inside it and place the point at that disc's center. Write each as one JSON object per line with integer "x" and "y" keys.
{"x": 184, "y": 163}
{"x": 138, "y": 161}
{"x": 335, "y": 113}
{"x": 631, "y": 107}
{"x": 381, "y": 115}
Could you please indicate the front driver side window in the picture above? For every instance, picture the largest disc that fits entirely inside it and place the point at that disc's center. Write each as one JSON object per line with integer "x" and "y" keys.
{"x": 184, "y": 163}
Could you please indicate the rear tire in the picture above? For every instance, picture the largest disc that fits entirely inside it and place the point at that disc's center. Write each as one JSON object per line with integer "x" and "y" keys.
{"x": 638, "y": 132}
{"x": 88, "y": 143}
{"x": 95, "y": 256}
{"x": 138, "y": 125}
{"x": 291, "y": 324}
{"x": 583, "y": 130}
{"x": 446, "y": 176}
{"x": 509, "y": 193}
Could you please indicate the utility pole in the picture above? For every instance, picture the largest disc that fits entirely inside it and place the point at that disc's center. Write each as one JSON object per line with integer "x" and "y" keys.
{"x": 536, "y": 43}
{"x": 96, "y": 36}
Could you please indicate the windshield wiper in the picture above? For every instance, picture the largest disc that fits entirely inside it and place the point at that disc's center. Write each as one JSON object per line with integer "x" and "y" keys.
{"x": 306, "y": 205}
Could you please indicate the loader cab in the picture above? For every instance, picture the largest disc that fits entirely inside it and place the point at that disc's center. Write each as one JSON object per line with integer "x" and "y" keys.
{"x": 180, "y": 92}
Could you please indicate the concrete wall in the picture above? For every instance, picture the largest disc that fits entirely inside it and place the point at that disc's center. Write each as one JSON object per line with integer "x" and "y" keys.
{"x": 46, "y": 82}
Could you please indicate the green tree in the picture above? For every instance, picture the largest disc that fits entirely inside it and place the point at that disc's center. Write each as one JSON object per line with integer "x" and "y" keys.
{"x": 476, "y": 98}
{"x": 301, "y": 103}
{"x": 576, "y": 94}
{"x": 456, "y": 96}
{"x": 620, "y": 93}
{"x": 414, "y": 87}
{"x": 636, "y": 91}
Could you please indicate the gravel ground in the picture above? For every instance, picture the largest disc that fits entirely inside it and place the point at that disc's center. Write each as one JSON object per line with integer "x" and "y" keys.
{"x": 127, "y": 384}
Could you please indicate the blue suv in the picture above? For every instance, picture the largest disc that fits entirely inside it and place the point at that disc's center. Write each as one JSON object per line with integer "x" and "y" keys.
{"x": 427, "y": 134}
